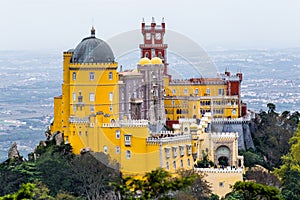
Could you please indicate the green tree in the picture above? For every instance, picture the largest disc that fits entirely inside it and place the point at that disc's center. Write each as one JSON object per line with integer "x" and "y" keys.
{"x": 290, "y": 170}
{"x": 159, "y": 184}
{"x": 25, "y": 192}
{"x": 198, "y": 188}
{"x": 94, "y": 174}
{"x": 253, "y": 191}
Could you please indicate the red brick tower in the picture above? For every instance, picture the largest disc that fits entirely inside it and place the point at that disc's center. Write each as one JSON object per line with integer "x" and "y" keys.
{"x": 154, "y": 42}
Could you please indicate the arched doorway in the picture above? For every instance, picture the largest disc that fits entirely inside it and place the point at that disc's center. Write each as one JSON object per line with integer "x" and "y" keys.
{"x": 223, "y": 161}
{"x": 223, "y": 156}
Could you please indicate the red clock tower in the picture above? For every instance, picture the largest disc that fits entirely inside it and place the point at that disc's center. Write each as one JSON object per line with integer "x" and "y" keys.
{"x": 154, "y": 42}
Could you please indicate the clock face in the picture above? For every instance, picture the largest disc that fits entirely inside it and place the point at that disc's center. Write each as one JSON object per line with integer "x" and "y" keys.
{"x": 148, "y": 36}
{"x": 158, "y": 36}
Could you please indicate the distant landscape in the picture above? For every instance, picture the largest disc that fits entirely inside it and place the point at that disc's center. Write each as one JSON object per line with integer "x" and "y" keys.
{"x": 30, "y": 80}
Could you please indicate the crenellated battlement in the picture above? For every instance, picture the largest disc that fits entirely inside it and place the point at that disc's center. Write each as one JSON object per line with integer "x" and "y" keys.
{"x": 79, "y": 120}
{"x": 88, "y": 65}
{"x": 230, "y": 120}
{"x": 168, "y": 139}
{"x": 68, "y": 53}
{"x": 219, "y": 170}
{"x": 224, "y": 135}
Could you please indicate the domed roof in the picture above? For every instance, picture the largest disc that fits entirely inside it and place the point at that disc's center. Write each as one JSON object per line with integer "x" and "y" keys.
{"x": 92, "y": 50}
{"x": 144, "y": 61}
{"x": 156, "y": 61}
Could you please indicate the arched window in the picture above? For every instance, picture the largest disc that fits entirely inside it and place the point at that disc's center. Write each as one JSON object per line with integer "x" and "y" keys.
{"x": 174, "y": 164}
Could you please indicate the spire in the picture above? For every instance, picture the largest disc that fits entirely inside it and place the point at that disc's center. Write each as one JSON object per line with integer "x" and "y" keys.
{"x": 163, "y": 20}
{"x": 153, "y": 20}
{"x": 143, "y": 21}
{"x": 93, "y": 31}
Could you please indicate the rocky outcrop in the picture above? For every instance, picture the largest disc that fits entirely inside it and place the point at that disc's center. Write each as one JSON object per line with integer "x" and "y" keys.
{"x": 13, "y": 151}
{"x": 240, "y": 126}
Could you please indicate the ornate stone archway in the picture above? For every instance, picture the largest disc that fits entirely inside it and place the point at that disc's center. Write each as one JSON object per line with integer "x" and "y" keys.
{"x": 223, "y": 155}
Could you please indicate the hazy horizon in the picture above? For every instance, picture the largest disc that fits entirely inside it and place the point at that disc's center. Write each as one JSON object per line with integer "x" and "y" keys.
{"x": 231, "y": 24}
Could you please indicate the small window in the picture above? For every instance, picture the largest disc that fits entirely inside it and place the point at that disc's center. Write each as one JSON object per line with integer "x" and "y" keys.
{"x": 181, "y": 150}
{"x": 80, "y": 97}
{"x": 221, "y": 92}
{"x": 110, "y": 75}
{"x": 80, "y": 133}
{"x": 167, "y": 150}
{"x": 110, "y": 96}
{"x": 127, "y": 140}
{"x": 185, "y": 91}
{"x": 173, "y": 91}
{"x": 92, "y": 76}
{"x": 173, "y": 102}
{"x": 196, "y": 91}
{"x": 74, "y": 96}
{"x": 174, "y": 164}
{"x": 128, "y": 154}
{"x": 207, "y": 91}
{"x": 181, "y": 163}
{"x": 86, "y": 133}
{"x": 92, "y": 108}
{"x": 117, "y": 134}
{"x": 105, "y": 149}
{"x": 188, "y": 162}
{"x": 110, "y": 108}
{"x": 167, "y": 165}
{"x": 74, "y": 76}
{"x": 189, "y": 149}
{"x": 74, "y": 108}
{"x": 92, "y": 97}
{"x": 117, "y": 149}
{"x": 221, "y": 184}
{"x": 174, "y": 152}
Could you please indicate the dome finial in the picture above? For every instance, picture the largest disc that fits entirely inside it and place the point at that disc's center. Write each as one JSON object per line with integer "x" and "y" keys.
{"x": 93, "y": 31}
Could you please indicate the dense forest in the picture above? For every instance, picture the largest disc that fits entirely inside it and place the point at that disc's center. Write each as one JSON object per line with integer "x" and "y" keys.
{"x": 53, "y": 172}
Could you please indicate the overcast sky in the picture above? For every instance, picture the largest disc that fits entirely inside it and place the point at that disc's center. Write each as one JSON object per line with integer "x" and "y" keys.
{"x": 232, "y": 24}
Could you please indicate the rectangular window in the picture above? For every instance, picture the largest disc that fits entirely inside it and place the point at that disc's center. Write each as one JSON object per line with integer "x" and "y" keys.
{"x": 92, "y": 76}
{"x": 167, "y": 150}
{"x": 92, "y": 108}
{"x": 181, "y": 150}
{"x": 110, "y": 96}
{"x": 208, "y": 91}
{"x": 174, "y": 152}
{"x": 74, "y": 96}
{"x": 196, "y": 91}
{"x": 74, "y": 108}
{"x": 127, "y": 139}
{"x": 185, "y": 91}
{"x": 221, "y": 92}
{"x": 110, "y": 108}
{"x": 173, "y": 91}
{"x": 173, "y": 102}
{"x": 74, "y": 76}
{"x": 189, "y": 149}
{"x": 110, "y": 75}
{"x": 92, "y": 97}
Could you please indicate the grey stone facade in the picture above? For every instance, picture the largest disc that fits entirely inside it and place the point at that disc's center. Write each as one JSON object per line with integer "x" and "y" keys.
{"x": 142, "y": 93}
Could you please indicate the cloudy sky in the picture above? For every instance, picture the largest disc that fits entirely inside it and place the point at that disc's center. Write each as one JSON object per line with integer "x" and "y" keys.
{"x": 231, "y": 24}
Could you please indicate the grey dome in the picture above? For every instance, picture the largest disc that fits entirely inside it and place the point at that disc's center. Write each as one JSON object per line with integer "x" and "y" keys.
{"x": 92, "y": 50}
